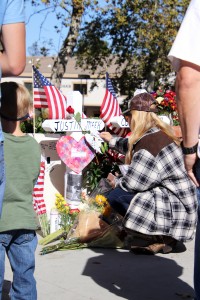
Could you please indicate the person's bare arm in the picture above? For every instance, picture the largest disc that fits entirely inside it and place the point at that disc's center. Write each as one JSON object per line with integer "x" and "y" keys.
{"x": 13, "y": 57}
{"x": 188, "y": 101}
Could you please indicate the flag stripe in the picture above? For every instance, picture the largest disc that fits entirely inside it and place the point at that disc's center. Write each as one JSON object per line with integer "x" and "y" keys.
{"x": 110, "y": 108}
{"x": 84, "y": 116}
{"x": 38, "y": 192}
{"x": 58, "y": 106}
{"x": 40, "y": 99}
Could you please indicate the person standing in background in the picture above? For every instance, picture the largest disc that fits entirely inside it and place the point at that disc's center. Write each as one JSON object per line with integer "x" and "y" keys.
{"x": 12, "y": 56}
{"x": 185, "y": 58}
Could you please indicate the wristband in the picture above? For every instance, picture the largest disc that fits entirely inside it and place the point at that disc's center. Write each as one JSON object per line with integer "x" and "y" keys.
{"x": 190, "y": 150}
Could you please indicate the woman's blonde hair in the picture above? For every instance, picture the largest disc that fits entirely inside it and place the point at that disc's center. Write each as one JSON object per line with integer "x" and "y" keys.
{"x": 141, "y": 122}
{"x": 15, "y": 100}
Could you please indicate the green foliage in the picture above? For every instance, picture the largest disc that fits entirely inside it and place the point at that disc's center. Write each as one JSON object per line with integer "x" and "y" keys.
{"x": 40, "y": 49}
{"x": 92, "y": 176}
{"x": 77, "y": 117}
{"x": 139, "y": 33}
{"x": 136, "y": 36}
{"x": 104, "y": 147}
{"x": 27, "y": 126}
{"x": 100, "y": 167}
{"x": 38, "y": 125}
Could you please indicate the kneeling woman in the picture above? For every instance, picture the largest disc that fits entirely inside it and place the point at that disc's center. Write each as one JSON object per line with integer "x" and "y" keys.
{"x": 155, "y": 196}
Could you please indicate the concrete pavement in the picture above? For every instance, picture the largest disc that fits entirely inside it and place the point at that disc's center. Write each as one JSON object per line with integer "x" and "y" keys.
{"x": 96, "y": 274}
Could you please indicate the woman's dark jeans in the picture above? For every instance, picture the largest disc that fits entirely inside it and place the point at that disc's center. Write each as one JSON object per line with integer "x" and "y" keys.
{"x": 119, "y": 200}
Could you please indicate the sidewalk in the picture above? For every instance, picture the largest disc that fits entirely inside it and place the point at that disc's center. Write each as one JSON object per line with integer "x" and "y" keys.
{"x": 96, "y": 274}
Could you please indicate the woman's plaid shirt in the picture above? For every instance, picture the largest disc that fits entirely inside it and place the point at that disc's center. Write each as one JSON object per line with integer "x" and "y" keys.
{"x": 166, "y": 202}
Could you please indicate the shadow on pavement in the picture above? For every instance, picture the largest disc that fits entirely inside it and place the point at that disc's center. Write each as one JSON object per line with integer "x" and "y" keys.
{"x": 138, "y": 277}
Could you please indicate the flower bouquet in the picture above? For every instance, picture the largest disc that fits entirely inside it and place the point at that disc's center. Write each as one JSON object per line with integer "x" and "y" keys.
{"x": 66, "y": 217}
{"x": 166, "y": 100}
{"x": 95, "y": 225}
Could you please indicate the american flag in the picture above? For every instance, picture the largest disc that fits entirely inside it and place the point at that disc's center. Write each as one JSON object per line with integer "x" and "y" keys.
{"x": 84, "y": 116}
{"x": 47, "y": 95}
{"x": 110, "y": 108}
{"x": 38, "y": 192}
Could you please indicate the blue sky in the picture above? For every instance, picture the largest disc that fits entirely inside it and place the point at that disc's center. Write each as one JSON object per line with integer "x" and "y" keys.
{"x": 33, "y": 32}
{"x": 33, "y": 23}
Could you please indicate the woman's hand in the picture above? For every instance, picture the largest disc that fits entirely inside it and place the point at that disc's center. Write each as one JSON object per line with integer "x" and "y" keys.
{"x": 190, "y": 161}
{"x": 106, "y": 136}
{"x": 112, "y": 180}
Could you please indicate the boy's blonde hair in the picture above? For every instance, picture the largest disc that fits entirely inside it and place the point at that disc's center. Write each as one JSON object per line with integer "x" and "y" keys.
{"x": 141, "y": 122}
{"x": 15, "y": 101}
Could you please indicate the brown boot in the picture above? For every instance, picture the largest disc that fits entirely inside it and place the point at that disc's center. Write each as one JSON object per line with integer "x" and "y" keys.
{"x": 170, "y": 244}
{"x": 150, "y": 249}
{"x": 164, "y": 244}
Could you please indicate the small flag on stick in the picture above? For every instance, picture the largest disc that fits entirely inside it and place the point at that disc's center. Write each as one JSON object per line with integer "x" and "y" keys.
{"x": 47, "y": 95}
{"x": 38, "y": 201}
{"x": 110, "y": 108}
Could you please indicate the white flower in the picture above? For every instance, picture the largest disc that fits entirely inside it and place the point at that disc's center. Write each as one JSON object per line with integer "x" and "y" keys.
{"x": 159, "y": 99}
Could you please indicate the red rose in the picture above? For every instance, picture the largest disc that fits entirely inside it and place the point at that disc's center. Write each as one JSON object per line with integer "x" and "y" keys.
{"x": 74, "y": 210}
{"x": 70, "y": 110}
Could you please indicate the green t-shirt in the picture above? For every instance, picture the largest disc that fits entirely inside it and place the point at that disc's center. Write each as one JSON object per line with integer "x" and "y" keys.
{"x": 22, "y": 165}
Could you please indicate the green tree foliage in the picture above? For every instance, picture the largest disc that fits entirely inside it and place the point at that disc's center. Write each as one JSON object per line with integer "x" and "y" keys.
{"x": 139, "y": 33}
{"x": 69, "y": 14}
{"x": 135, "y": 35}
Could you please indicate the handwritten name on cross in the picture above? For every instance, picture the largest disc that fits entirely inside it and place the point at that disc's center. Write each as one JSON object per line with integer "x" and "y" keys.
{"x": 72, "y": 125}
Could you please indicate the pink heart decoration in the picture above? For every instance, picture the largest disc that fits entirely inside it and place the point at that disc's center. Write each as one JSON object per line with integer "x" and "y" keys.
{"x": 76, "y": 155}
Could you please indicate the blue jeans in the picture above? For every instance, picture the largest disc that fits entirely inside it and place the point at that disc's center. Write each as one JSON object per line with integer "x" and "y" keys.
{"x": 2, "y": 172}
{"x": 20, "y": 246}
{"x": 197, "y": 253}
{"x": 120, "y": 200}
{"x": 2, "y": 165}
{"x": 197, "y": 240}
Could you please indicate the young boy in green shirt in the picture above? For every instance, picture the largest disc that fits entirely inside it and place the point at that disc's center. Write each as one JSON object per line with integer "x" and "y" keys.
{"x": 18, "y": 221}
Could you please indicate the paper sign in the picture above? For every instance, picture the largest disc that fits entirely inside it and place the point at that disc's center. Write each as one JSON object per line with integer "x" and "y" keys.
{"x": 94, "y": 141}
{"x": 76, "y": 155}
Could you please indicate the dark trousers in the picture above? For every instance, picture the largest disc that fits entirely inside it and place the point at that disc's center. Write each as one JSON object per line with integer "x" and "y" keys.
{"x": 119, "y": 200}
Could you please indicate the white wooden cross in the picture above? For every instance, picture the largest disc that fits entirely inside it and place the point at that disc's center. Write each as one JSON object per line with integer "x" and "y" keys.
{"x": 72, "y": 180}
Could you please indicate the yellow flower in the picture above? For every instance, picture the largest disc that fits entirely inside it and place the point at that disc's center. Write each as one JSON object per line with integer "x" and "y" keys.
{"x": 67, "y": 209}
{"x": 100, "y": 200}
{"x": 61, "y": 204}
{"x": 59, "y": 197}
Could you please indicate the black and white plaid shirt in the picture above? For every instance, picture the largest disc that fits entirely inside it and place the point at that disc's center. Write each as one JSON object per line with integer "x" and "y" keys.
{"x": 166, "y": 201}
